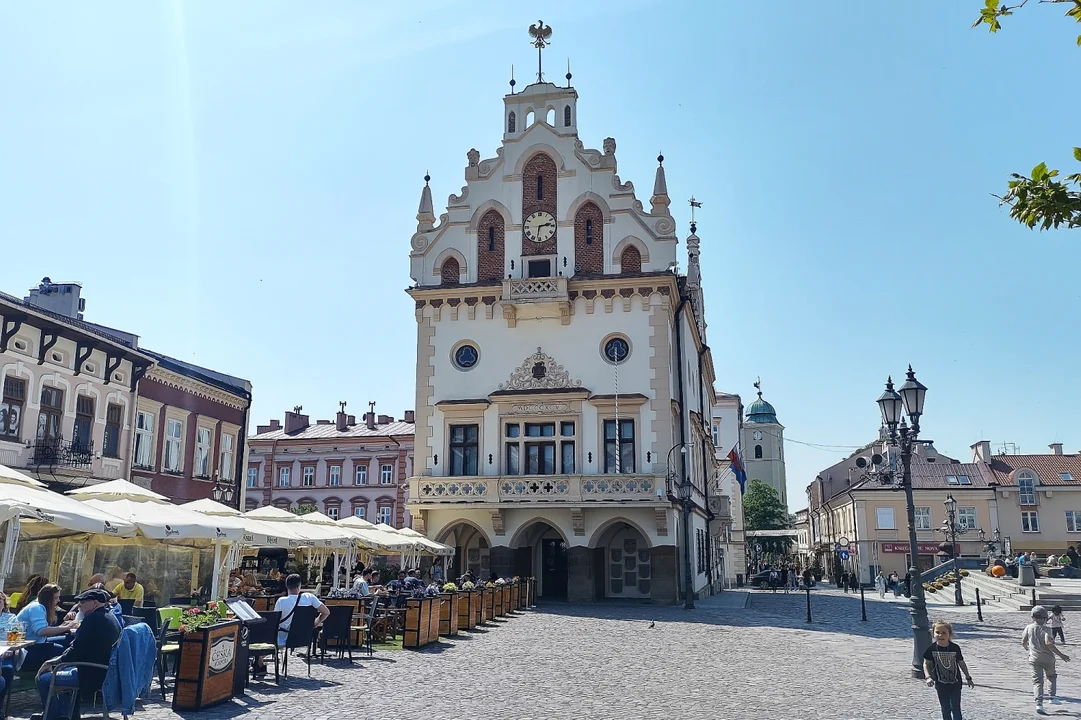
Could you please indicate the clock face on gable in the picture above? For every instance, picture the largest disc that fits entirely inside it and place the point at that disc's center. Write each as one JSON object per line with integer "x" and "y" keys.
{"x": 757, "y": 434}
{"x": 539, "y": 227}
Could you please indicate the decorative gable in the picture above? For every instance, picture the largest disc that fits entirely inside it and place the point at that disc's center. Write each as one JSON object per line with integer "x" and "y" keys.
{"x": 539, "y": 372}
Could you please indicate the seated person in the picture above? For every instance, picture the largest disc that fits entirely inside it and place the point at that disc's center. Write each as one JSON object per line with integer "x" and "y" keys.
{"x": 286, "y": 606}
{"x": 128, "y": 589}
{"x": 93, "y": 643}
{"x": 33, "y": 586}
{"x": 361, "y": 584}
{"x": 49, "y": 640}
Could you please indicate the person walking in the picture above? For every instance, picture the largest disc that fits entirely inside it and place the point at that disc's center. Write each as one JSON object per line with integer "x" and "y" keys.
{"x": 943, "y": 664}
{"x": 1055, "y": 623}
{"x": 784, "y": 578}
{"x": 844, "y": 582}
{"x": 880, "y": 584}
{"x": 774, "y": 577}
{"x": 1040, "y": 644}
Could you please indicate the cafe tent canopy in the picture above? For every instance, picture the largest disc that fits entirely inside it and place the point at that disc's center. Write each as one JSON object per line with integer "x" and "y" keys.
{"x": 433, "y": 547}
{"x": 311, "y": 534}
{"x": 257, "y": 533}
{"x": 11, "y": 475}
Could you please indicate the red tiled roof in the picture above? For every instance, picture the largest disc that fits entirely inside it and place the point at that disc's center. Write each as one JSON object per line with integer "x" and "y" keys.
{"x": 1048, "y": 468}
{"x": 327, "y": 432}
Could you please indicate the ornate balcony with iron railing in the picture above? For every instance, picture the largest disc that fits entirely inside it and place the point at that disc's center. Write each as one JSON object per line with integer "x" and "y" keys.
{"x": 57, "y": 452}
{"x": 537, "y": 489}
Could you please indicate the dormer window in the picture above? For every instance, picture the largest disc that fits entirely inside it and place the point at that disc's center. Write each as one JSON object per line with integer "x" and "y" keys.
{"x": 1026, "y": 492}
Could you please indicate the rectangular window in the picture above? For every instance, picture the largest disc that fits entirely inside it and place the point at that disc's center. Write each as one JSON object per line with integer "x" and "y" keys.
{"x": 82, "y": 433}
{"x": 1030, "y": 521}
{"x": 1073, "y": 521}
{"x": 202, "y": 452}
{"x": 464, "y": 449}
{"x": 951, "y": 479}
{"x": 539, "y": 268}
{"x": 335, "y": 475}
{"x": 253, "y": 477}
{"x": 963, "y": 479}
{"x": 566, "y": 448}
{"x": 966, "y": 517}
{"x": 360, "y": 512}
{"x": 51, "y": 413}
{"x": 514, "y": 466}
{"x": 716, "y": 433}
{"x": 362, "y": 475}
{"x": 1026, "y": 493}
{"x": 885, "y": 518}
{"x": 144, "y": 439}
{"x": 11, "y": 410}
{"x": 491, "y": 238}
{"x": 1066, "y": 477}
{"x": 307, "y": 477}
{"x": 540, "y": 187}
{"x": 923, "y": 518}
{"x": 114, "y": 421}
{"x": 332, "y": 513}
{"x": 589, "y": 232}
{"x": 386, "y": 474}
{"x": 225, "y": 468}
{"x": 619, "y": 452}
{"x": 283, "y": 477}
{"x": 174, "y": 430}
{"x": 384, "y": 515}
{"x": 540, "y": 458}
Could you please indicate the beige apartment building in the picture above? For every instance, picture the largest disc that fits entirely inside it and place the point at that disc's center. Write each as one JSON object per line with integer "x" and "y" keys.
{"x": 1033, "y": 501}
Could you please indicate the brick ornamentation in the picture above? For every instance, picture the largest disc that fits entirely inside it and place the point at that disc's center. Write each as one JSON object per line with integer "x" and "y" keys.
{"x": 589, "y": 240}
{"x": 490, "y": 235}
{"x": 449, "y": 272}
{"x": 630, "y": 261}
{"x": 539, "y": 173}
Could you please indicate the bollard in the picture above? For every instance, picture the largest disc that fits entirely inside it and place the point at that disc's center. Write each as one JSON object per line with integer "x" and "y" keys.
{"x": 808, "y": 589}
{"x": 1033, "y": 597}
{"x": 863, "y": 606}
{"x": 979, "y": 606}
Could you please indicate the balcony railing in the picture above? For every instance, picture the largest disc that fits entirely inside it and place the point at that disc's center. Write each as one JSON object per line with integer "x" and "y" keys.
{"x": 536, "y": 488}
{"x": 535, "y": 289}
{"x": 57, "y": 452}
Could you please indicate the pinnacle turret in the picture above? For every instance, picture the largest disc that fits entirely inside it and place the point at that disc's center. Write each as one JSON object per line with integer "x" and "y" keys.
{"x": 426, "y": 212}
{"x": 660, "y": 200}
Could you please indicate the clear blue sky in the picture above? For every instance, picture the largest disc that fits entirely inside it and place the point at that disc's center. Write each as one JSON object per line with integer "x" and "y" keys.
{"x": 237, "y": 182}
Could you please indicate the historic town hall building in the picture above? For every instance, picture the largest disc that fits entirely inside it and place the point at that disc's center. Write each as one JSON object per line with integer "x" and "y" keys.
{"x": 564, "y": 384}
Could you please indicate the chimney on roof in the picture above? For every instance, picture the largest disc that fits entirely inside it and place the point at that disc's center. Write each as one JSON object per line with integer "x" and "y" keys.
{"x": 385, "y": 419}
{"x": 1056, "y": 448}
{"x": 409, "y": 416}
{"x": 294, "y": 421}
{"x": 342, "y": 420}
{"x": 322, "y": 422}
{"x": 369, "y": 420}
{"x": 981, "y": 451}
{"x": 352, "y": 420}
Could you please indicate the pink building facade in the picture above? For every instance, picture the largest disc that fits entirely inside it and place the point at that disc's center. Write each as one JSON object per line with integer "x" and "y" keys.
{"x": 340, "y": 466}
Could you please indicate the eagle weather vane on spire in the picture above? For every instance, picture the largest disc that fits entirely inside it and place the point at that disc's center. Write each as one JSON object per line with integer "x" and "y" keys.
{"x": 540, "y": 34}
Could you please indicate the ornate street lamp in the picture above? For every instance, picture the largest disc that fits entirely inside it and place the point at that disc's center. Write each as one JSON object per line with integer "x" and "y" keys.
{"x": 222, "y": 491}
{"x": 991, "y": 546}
{"x": 904, "y": 436}
{"x": 951, "y": 529}
{"x": 685, "y": 494}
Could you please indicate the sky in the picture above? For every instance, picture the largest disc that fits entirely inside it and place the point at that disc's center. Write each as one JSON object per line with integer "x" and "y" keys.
{"x": 238, "y": 182}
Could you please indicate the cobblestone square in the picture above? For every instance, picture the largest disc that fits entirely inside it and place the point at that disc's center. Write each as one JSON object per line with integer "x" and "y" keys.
{"x": 718, "y": 661}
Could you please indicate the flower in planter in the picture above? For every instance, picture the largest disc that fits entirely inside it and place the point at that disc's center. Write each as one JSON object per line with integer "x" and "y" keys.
{"x": 490, "y": 585}
{"x": 450, "y": 587}
{"x": 500, "y": 581}
{"x": 432, "y": 591}
{"x": 468, "y": 586}
{"x": 964, "y": 573}
{"x": 517, "y": 579}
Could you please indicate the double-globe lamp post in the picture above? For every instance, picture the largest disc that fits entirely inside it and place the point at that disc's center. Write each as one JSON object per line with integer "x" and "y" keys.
{"x": 894, "y": 406}
{"x": 951, "y": 529}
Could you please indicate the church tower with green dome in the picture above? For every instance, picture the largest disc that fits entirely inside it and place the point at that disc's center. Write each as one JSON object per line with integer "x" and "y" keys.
{"x": 763, "y": 445}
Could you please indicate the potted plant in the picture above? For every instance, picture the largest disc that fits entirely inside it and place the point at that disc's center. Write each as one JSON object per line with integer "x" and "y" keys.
{"x": 449, "y": 610}
{"x": 207, "y": 665}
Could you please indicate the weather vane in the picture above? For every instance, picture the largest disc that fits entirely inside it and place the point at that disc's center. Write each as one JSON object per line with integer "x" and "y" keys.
{"x": 758, "y": 384}
{"x": 343, "y": 403}
{"x": 694, "y": 204}
{"x": 540, "y": 34}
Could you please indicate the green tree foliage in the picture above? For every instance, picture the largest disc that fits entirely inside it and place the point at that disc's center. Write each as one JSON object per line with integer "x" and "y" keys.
{"x": 1040, "y": 198}
{"x": 303, "y": 509}
{"x": 762, "y": 508}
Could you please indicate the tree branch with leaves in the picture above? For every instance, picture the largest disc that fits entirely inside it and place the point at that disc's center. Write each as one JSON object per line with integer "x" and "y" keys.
{"x": 1040, "y": 198}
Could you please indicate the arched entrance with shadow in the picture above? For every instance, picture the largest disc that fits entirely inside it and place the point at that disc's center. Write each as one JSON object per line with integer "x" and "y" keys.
{"x": 622, "y": 561}
{"x": 472, "y": 551}
{"x": 540, "y": 550}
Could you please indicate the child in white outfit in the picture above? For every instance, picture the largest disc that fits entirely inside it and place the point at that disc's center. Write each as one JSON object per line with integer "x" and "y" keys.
{"x": 1055, "y": 623}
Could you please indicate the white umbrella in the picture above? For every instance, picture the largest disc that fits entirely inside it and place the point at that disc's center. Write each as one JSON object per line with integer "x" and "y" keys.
{"x": 433, "y": 547}
{"x": 312, "y": 534}
{"x": 11, "y": 475}
{"x": 256, "y": 532}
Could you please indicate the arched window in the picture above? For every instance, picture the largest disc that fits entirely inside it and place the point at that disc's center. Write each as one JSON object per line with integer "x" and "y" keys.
{"x": 529, "y": 119}
{"x": 490, "y": 247}
{"x": 540, "y": 187}
{"x": 757, "y": 452}
{"x": 510, "y": 122}
{"x": 450, "y": 272}
{"x": 1026, "y": 490}
{"x": 631, "y": 260}
{"x": 491, "y": 238}
{"x": 589, "y": 231}
{"x": 588, "y": 240}
{"x": 567, "y": 116}
{"x": 550, "y": 118}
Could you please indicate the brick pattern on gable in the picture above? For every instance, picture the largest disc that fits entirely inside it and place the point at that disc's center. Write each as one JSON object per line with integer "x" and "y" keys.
{"x": 630, "y": 261}
{"x": 539, "y": 166}
{"x": 490, "y": 257}
{"x": 589, "y": 258}
{"x": 450, "y": 272}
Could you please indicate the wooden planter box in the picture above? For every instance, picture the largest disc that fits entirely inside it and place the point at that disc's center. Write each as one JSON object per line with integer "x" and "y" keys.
{"x": 488, "y": 604}
{"x": 523, "y": 593}
{"x": 468, "y": 604}
{"x": 498, "y": 609}
{"x": 421, "y": 622}
{"x": 208, "y": 661}
{"x": 503, "y": 599}
{"x": 515, "y": 596}
{"x": 448, "y": 613}
{"x": 532, "y": 592}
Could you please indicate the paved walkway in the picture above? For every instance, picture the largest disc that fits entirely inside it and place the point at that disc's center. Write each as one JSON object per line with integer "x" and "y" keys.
{"x": 718, "y": 661}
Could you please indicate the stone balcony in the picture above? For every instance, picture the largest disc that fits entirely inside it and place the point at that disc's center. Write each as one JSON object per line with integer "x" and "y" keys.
{"x": 537, "y": 490}
{"x": 533, "y": 298}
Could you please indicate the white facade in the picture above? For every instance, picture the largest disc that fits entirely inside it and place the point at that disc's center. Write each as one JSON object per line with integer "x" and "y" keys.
{"x": 728, "y": 536}
{"x": 550, "y": 333}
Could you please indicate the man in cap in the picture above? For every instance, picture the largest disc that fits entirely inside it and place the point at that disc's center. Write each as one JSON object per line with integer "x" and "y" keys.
{"x": 93, "y": 643}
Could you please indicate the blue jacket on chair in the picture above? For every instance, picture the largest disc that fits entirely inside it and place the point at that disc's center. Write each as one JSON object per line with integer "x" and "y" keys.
{"x": 131, "y": 668}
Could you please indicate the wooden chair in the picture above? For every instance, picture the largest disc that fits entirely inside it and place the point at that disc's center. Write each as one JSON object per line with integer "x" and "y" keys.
{"x": 263, "y": 639}
{"x": 301, "y": 635}
{"x": 127, "y": 606}
{"x": 54, "y": 689}
{"x": 368, "y": 625}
